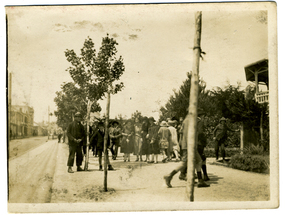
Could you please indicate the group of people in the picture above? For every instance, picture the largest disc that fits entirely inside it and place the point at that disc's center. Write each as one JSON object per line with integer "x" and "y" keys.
{"x": 146, "y": 138}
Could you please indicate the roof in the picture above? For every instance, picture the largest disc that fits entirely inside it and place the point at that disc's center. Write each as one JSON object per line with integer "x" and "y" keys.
{"x": 261, "y": 67}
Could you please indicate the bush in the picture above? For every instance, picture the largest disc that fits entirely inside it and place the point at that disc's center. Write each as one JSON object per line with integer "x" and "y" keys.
{"x": 254, "y": 150}
{"x": 210, "y": 152}
{"x": 248, "y": 162}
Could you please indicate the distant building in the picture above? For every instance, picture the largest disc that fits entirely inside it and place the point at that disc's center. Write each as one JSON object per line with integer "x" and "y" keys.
{"x": 40, "y": 129}
{"x": 22, "y": 121}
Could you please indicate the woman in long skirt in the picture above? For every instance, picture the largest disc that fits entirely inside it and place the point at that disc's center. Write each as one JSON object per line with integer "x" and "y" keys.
{"x": 127, "y": 143}
{"x": 153, "y": 143}
{"x": 164, "y": 140}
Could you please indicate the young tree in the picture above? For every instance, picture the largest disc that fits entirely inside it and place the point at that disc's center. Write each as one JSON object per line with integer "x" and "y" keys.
{"x": 87, "y": 79}
{"x": 109, "y": 69}
{"x": 70, "y": 100}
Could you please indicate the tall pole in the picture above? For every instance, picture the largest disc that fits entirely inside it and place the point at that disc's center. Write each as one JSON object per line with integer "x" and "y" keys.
{"x": 49, "y": 125}
{"x": 192, "y": 113}
{"x": 106, "y": 140}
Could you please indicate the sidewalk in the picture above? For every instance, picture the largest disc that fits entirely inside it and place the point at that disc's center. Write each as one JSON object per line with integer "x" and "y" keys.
{"x": 143, "y": 182}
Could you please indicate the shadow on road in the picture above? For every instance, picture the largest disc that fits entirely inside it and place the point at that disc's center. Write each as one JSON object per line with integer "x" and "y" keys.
{"x": 213, "y": 179}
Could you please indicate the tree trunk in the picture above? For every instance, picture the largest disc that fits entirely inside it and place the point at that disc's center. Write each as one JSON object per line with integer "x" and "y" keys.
{"x": 261, "y": 126}
{"x": 105, "y": 141}
{"x": 192, "y": 113}
{"x": 89, "y": 104}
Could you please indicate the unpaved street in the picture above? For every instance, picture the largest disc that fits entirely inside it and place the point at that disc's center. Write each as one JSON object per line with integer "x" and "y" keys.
{"x": 31, "y": 173}
{"x": 142, "y": 182}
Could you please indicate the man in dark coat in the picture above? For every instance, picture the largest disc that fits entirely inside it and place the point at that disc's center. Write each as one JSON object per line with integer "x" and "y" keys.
{"x": 97, "y": 140}
{"x": 220, "y": 137}
{"x": 75, "y": 134}
{"x": 202, "y": 142}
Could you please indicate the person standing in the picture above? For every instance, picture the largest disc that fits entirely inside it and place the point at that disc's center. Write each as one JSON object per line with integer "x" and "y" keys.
{"x": 164, "y": 136}
{"x": 179, "y": 132}
{"x": 138, "y": 140}
{"x": 220, "y": 137}
{"x": 64, "y": 134}
{"x": 127, "y": 143}
{"x": 98, "y": 140}
{"x": 115, "y": 136}
{"x": 174, "y": 142}
{"x": 152, "y": 138}
{"x": 59, "y": 134}
{"x": 75, "y": 134}
{"x": 202, "y": 142}
{"x": 145, "y": 148}
{"x": 182, "y": 167}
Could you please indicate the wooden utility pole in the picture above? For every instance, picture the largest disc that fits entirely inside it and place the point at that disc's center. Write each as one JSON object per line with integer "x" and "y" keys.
{"x": 192, "y": 113}
{"x": 106, "y": 140}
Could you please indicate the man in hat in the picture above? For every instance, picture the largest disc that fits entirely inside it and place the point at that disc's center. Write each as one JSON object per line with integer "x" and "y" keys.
{"x": 76, "y": 135}
{"x": 202, "y": 141}
{"x": 220, "y": 137}
{"x": 115, "y": 135}
{"x": 98, "y": 140}
{"x": 182, "y": 167}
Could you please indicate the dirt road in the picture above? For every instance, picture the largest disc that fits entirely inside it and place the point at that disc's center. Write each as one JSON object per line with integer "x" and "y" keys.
{"x": 31, "y": 172}
{"x": 142, "y": 182}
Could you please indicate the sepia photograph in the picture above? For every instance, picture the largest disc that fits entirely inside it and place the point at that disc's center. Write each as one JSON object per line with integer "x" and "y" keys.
{"x": 141, "y": 107}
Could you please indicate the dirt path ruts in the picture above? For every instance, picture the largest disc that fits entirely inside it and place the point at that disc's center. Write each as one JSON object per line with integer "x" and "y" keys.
{"x": 31, "y": 175}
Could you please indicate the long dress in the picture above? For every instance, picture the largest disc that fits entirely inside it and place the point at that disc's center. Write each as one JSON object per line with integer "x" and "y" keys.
{"x": 153, "y": 140}
{"x": 174, "y": 142}
{"x": 127, "y": 143}
{"x": 164, "y": 138}
{"x": 138, "y": 139}
{"x": 145, "y": 145}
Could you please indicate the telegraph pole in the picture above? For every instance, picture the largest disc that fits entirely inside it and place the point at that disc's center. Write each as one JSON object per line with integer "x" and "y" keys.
{"x": 192, "y": 113}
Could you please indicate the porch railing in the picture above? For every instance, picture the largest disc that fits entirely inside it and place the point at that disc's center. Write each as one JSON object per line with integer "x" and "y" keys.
{"x": 262, "y": 97}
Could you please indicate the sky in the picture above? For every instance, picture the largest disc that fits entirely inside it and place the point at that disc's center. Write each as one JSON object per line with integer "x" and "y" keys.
{"x": 155, "y": 41}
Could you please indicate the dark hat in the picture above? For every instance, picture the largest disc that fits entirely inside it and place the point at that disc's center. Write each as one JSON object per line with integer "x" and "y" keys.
{"x": 78, "y": 114}
{"x": 145, "y": 118}
{"x": 115, "y": 122}
{"x": 151, "y": 119}
{"x": 101, "y": 123}
{"x": 172, "y": 122}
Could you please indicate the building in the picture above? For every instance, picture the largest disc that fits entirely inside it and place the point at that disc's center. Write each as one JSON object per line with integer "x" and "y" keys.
{"x": 257, "y": 72}
{"x": 22, "y": 121}
{"x": 40, "y": 129}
